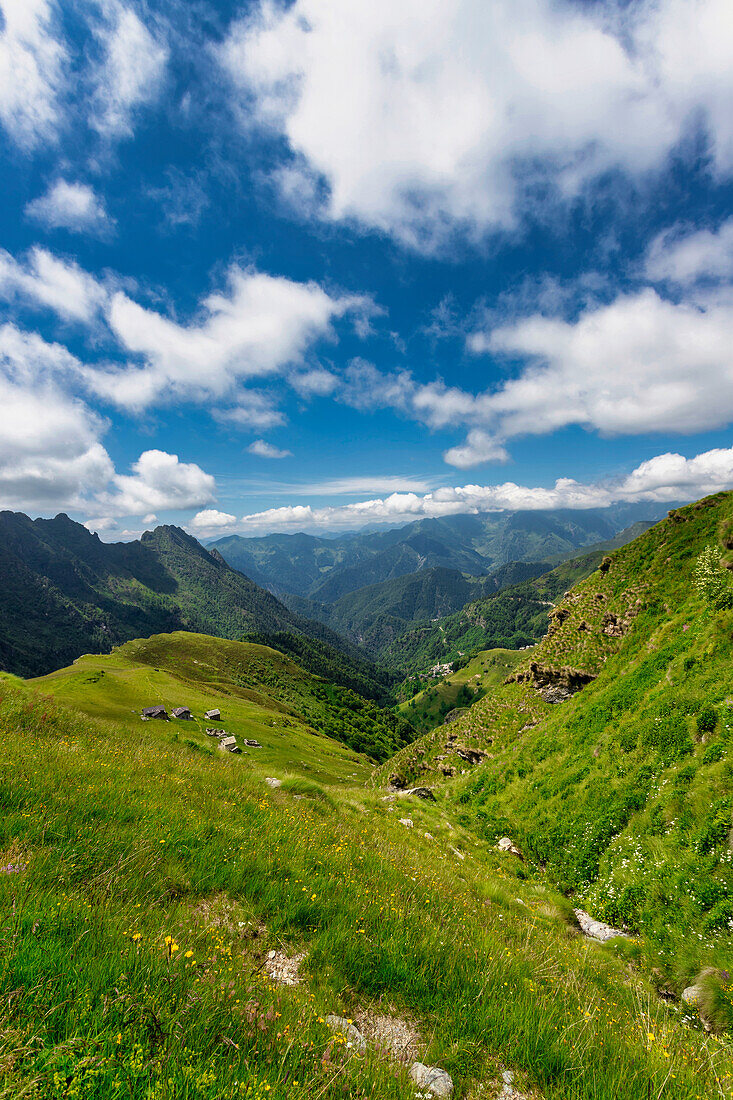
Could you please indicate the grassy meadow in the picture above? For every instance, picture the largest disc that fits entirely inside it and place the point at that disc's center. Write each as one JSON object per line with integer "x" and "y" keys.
{"x": 484, "y": 672}
{"x": 145, "y": 882}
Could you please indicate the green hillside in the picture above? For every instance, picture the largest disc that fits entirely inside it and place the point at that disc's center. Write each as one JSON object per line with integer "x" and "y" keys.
{"x": 261, "y": 693}
{"x": 150, "y": 889}
{"x": 605, "y": 755}
{"x": 429, "y": 706}
{"x": 65, "y": 592}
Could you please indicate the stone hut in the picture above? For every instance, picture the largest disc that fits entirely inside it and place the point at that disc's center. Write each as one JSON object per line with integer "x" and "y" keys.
{"x": 213, "y": 715}
{"x": 182, "y": 712}
{"x": 155, "y": 712}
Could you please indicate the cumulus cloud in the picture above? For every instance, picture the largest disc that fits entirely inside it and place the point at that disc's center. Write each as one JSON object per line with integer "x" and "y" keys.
{"x": 131, "y": 71}
{"x": 261, "y": 325}
{"x": 72, "y": 206}
{"x": 50, "y": 449}
{"x": 479, "y": 447}
{"x": 684, "y": 257}
{"x": 264, "y": 449}
{"x": 666, "y": 477}
{"x": 210, "y": 519}
{"x": 160, "y": 482}
{"x": 32, "y": 59}
{"x": 43, "y": 279}
{"x": 317, "y": 382}
{"x": 454, "y": 107}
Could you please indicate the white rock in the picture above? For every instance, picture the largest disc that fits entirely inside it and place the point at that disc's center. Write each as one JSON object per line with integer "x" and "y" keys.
{"x": 691, "y": 995}
{"x": 273, "y": 782}
{"x": 342, "y": 1026}
{"x": 435, "y": 1080}
{"x": 507, "y": 845}
{"x": 406, "y": 821}
{"x": 596, "y": 929}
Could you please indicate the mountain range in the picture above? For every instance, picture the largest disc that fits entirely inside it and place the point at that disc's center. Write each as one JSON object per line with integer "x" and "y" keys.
{"x": 325, "y": 569}
{"x": 65, "y": 592}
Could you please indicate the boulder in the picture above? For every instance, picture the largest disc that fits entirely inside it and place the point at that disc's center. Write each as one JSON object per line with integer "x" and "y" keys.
{"x": 596, "y": 929}
{"x": 507, "y": 845}
{"x": 432, "y": 1079}
{"x": 421, "y": 792}
{"x": 273, "y": 782}
{"x": 252, "y": 744}
{"x": 406, "y": 821}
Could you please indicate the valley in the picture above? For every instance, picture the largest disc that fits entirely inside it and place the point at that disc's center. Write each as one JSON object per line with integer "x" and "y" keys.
{"x": 212, "y": 912}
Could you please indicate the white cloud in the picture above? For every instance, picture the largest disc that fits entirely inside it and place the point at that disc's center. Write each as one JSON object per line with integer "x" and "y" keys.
{"x": 317, "y": 382}
{"x": 666, "y": 477}
{"x": 262, "y": 325}
{"x": 131, "y": 72}
{"x": 212, "y": 520}
{"x": 160, "y": 482}
{"x": 48, "y": 281}
{"x": 479, "y": 447}
{"x": 50, "y": 453}
{"x": 31, "y": 72}
{"x": 254, "y": 412}
{"x": 430, "y": 114}
{"x": 685, "y": 257}
{"x": 264, "y": 449}
{"x": 72, "y": 206}
{"x": 353, "y": 486}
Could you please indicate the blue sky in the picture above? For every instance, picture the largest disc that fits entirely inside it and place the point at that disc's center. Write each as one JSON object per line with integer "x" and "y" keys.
{"x": 311, "y": 266}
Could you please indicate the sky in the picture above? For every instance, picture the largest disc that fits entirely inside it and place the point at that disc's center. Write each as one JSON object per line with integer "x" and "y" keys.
{"x": 315, "y": 266}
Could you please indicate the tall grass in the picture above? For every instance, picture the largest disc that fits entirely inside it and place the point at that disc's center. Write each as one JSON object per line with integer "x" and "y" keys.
{"x": 147, "y": 887}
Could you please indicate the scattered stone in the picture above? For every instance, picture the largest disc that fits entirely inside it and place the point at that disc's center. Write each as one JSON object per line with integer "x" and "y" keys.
{"x": 273, "y": 782}
{"x": 341, "y": 1026}
{"x": 406, "y": 821}
{"x": 508, "y": 1092}
{"x": 284, "y": 970}
{"x": 421, "y": 792}
{"x": 506, "y": 844}
{"x": 431, "y": 1078}
{"x": 396, "y": 1037}
{"x": 596, "y": 929}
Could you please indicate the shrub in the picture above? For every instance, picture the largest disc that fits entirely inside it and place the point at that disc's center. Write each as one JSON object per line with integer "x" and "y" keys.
{"x": 711, "y": 580}
{"x": 707, "y": 719}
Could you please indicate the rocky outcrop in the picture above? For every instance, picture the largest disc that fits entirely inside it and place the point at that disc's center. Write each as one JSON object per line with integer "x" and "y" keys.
{"x": 507, "y": 845}
{"x": 555, "y": 685}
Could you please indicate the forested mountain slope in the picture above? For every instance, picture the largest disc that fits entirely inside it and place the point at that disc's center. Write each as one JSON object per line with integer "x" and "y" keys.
{"x": 325, "y": 569}
{"x": 65, "y": 592}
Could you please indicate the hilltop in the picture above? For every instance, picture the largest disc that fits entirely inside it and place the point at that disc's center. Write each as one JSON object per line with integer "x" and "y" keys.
{"x": 605, "y": 754}
{"x": 65, "y": 592}
{"x": 262, "y": 694}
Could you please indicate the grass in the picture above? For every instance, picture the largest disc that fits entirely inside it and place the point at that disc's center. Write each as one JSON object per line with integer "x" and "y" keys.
{"x": 622, "y": 795}
{"x": 150, "y": 881}
{"x": 485, "y": 671}
{"x": 262, "y": 695}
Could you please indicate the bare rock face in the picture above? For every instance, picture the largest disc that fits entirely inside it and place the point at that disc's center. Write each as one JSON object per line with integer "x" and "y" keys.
{"x": 472, "y": 756}
{"x": 555, "y": 685}
{"x": 421, "y": 792}
{"x": 605, "y": 564}
{"x": 613, "y": 626}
